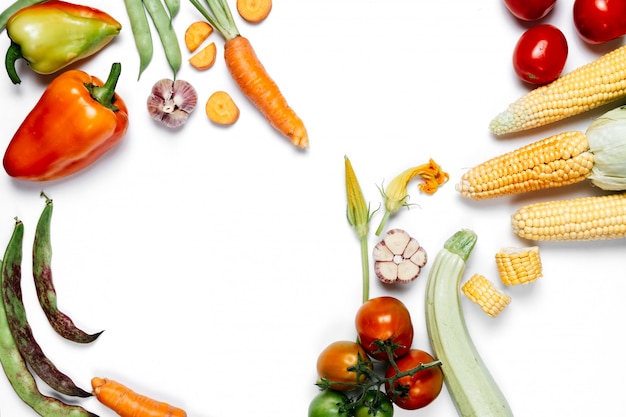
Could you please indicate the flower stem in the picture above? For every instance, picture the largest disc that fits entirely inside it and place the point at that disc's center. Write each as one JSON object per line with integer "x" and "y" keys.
{"x": 365, "y": 267}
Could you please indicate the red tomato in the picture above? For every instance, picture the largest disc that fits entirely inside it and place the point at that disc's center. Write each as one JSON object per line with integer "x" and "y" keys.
{"x": 384, "y": 319}
{"x": 334, "y": 361}
{"x": 599, "y": 21}
{"x": 418, "y": 390}
{"x": 540, "y": 54}
{"x": 529, "y": 10}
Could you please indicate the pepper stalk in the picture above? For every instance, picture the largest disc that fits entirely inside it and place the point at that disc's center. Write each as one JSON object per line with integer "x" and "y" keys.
{"x": 358, "y": 215}
{"x": 396, "y": 193}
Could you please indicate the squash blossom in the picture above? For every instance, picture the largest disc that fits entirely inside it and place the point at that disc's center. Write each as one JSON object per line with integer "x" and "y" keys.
{"x": 55, "y": 34}
{"x": 358, "y": 214}
{"x": 396, "y": 193}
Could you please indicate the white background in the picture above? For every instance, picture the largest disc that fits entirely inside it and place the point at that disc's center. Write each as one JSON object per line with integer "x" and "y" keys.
{"x": 219, "y": 261}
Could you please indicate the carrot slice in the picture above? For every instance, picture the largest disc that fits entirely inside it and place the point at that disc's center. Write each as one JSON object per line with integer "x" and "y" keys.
{"x": 254, "y": 11}
{"x": 204, "y": 59}
{"x": 196, "y": 33}
{"x": 221, "y": 109}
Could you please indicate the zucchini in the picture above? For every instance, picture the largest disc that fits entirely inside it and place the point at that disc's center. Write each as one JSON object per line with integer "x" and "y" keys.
{"x": 469, "y": 383}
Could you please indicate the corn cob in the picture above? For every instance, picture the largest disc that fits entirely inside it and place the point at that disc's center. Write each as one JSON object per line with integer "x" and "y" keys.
{"x": 599, "y": 154}
{"x": 584, "y": 218}
{"x": 558, "y": 160}
{"x": 519, "y": 265}
{"x": 482, "y": 292}
{"x": 590, "y": 86}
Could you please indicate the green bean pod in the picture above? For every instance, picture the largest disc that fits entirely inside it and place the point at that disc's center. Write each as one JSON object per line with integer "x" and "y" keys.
{"x": 18, "y": 5}
{"x": 11, "y": 359}
{"x": 18, "y": 322}
{"x": 44, "y": 285}
{"x": 166, "y": 32}
{"x": 173, "y": 7}
{"x": 141, "y": 32}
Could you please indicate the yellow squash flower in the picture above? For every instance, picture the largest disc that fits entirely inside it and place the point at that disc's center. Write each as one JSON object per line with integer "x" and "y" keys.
{"x": 396, "y": 193}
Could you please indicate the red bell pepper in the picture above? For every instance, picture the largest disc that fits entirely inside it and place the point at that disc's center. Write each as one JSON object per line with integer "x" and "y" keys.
{"x": 76, "y": 121}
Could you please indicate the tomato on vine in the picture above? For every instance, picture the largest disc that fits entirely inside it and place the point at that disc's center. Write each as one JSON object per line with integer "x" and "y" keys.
{"x": 329, "y": 403}
{"x": 375, "y": 404}
{"x": 384, "y": 322}
{"x": 415, "y": 391}
{"x": 337, "y": 361}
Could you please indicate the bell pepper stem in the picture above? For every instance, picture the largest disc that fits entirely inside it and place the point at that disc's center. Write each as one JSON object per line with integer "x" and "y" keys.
{"x": 13, "y": 54}
{"x": 105, "y": 94}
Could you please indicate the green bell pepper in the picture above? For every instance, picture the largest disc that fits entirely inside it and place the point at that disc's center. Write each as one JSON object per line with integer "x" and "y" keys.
{"x": 55, "y": 34}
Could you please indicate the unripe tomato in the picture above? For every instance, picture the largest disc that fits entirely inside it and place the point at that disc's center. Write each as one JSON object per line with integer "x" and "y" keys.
{"x": 422, "y": 387}
{"x": 376, "y": 404}
{"x": 328, "y": 404}
{"x": 384, "y": 319}
{"x": 540, "y": 54}
{"x": 529, "y": 10}
{"x": 599, "y": 21}
{"x": 334, "y": 361}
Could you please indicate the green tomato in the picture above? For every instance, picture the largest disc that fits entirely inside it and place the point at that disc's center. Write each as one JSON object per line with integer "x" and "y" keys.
{"x": 375, "y": 404}
{"x": 328, "y": 403}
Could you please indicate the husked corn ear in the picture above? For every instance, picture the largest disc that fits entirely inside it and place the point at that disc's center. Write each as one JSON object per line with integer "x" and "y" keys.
{"x": 585, "y": 218}
{"x": 482, "y": 292}
{"x": 519, "y": 265}
{"x": 555, "y": 161}
{"x": 590, "y": 86}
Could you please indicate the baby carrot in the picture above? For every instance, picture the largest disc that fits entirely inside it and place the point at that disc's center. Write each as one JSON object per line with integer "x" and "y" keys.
{"x": 18, "y": 323}
{"x": 250, "y": 75}
{"x": 42, "y": 273}
{"x": 13, "y": 363}
{"x": 128, "y": 403}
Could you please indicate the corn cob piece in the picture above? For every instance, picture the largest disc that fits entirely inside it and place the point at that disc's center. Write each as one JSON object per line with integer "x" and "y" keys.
{"x": 482, "y": 292}
{"x": 584, "y": 218}
{"x": 558, "y": 160}
{"x": 519, "y": 265}
{"x": 590, "y": 86}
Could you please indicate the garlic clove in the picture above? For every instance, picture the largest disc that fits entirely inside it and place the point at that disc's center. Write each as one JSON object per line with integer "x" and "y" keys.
{"x": 419, "y": 258}
{"x": 396, "y": 240}
{"x": 382, "y": 253}
{"x": 407, "y": 271}
{"x": 170, "y": 102}
{"x": 387, "y": 272}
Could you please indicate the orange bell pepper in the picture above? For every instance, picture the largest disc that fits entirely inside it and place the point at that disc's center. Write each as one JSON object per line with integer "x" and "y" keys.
{"x": 76, "y": 121}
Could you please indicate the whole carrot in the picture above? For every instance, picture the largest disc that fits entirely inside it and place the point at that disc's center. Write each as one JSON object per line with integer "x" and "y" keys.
{"x": 18, "y": 322}
{"x": 251, "y": 76}
{"x": 42, "y": 274}
{"x": 128, "y": 403}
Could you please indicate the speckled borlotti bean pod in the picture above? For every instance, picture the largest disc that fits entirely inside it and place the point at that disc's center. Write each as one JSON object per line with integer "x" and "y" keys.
{"x": 18, "y": 323}
{"x": 11, "y": 359}
{"x": 42, "y": 274}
